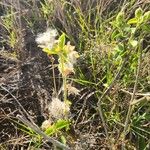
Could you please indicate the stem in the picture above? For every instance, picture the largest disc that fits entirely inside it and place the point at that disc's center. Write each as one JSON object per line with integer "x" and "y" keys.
{"x": 54, "y": 79}
{"x": 65, "y": 88}
{"x": 64, "y": 79}
{"x": 131, "y": 107}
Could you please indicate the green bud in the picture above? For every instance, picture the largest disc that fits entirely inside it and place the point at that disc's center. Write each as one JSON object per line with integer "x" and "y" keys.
{"x": 138, "y": 13}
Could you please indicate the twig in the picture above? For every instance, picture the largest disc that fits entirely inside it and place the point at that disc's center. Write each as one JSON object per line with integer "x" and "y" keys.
{"x": 145, "y": 96}
{"x": 134, "y": 102}
{"x": 136, "y": 94}
{"x": 36, "y": 129}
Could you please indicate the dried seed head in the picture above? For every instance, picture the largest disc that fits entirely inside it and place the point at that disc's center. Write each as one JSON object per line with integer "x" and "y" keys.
{"x": 47, "y": 39}
{"x": 58, "y": 109}
{"x": 72, "y": 90}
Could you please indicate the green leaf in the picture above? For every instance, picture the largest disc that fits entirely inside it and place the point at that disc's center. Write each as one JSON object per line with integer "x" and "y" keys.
{"x": 62, "y": 40}
{"x": 132, "y": 21}
{"x": 120, "y": 47}
{"x": 120, "y": 18}
{"x": 50, "y": 130}
{"x": 138, "y": 13}
{"x": 83, "y": 82}
{"x": 134, "y": 43}
{"x": 60, "y": 124}
{"x": 146, "y": 16}
{"x": 49, "y": 51}
{"x": 146, "y": 28}
{"x": 140, "y": 20}
{"x": 133, "y": 30}
{"x": 127, "y": 29}
{"x": 63, "y": 140}
{"x": 114, "y": 34}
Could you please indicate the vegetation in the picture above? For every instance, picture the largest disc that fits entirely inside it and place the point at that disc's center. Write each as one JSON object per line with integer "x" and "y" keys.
{"x": 75, "y": 74}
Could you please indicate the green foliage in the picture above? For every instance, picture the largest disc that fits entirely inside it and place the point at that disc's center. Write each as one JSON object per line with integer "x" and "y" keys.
{"x": 46, "y": 9}
{"x": 8, "y": 24}
{"x": 57, "y": 127}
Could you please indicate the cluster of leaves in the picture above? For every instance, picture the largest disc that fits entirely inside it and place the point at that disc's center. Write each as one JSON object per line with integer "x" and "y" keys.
{"x": 128, "y": 36}
{"x": 67, "y": 55}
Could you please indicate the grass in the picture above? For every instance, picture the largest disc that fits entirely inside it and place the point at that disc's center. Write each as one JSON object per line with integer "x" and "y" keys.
{"x": 112, "y": 74}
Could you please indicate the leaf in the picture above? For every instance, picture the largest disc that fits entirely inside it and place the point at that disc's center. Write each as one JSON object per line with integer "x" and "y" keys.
{"x": 50, "y": 130}
{"x": 132, "y": 21}
{"x": 134, "y": 43}
{"x": 114, "y": 34}
{"x": 83, "y": 82}
{"x": 49, "y": 51}
{"x": 117, "y": 35}
{"x": 62, "y": 40}
{"x": 133, "y": 30}
{"x": 138, "y": 13}
{"x": 146, "y": 16}
{"x": 120, "y": 18}
{"x": 141, "y": 129}
{"x": 120, "y": 47}
{"x": 146, "y": 28}
{"x": 63, "y": 140}
{"x": 60, "y": 124}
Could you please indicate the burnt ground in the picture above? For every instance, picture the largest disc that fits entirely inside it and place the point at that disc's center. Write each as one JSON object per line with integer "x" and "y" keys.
{"x": 26, "y": 88}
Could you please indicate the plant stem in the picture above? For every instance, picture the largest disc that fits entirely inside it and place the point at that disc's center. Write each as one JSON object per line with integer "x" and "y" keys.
{"x": 64, "y": 79}
{"x": 54, "y": 78}
{"x": 65, "y": 87}
{"x": 131, "y": 107}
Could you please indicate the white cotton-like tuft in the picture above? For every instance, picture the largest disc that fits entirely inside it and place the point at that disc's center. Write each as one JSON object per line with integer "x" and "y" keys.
{"x": 58, "y": 109}
{"x": 47, "y": 38}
